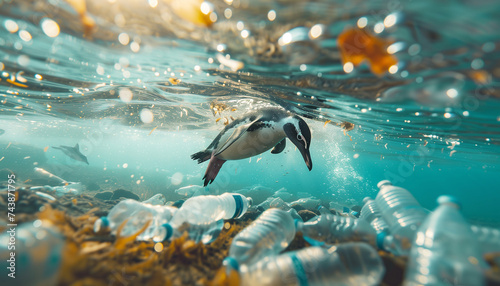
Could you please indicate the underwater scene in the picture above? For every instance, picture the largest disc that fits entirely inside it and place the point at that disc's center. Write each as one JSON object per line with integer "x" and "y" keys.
{"x": 238, "y": 142}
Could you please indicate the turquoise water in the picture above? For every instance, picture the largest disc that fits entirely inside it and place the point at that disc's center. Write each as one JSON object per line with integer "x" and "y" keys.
{"x": 432, "y": 126}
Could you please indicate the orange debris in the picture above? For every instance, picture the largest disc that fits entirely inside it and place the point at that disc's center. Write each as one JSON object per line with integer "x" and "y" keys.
{"x": 174, "y": 81}
{"x": 357, "y": 45}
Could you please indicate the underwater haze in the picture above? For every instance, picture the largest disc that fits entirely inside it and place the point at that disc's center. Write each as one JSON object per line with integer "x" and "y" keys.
{"x": 141, "y": 85}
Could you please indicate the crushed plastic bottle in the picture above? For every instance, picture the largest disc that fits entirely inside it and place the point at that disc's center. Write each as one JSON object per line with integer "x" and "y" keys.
{"x": 402, "y": 213}
{"x": 37, "y": 250}
{"x": 445, "y": 251}
{"x": 136, "y": 215}
{"x": 329, "y": 228}
{"x": 348, "y": 264}
{"x": 268, "y": 235}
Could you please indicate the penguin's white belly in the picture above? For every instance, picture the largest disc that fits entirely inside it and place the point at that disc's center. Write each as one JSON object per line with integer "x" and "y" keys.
{"x": 252, "y": 143}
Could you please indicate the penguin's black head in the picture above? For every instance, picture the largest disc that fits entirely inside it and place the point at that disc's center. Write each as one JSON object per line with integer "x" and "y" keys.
{"x": 299, "y": 133}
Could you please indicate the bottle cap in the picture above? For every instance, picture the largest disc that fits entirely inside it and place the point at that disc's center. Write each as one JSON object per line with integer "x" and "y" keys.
{"x": 169, "y": 229}
{"x": 380, "y": 240}
{"x": 384, "y": 183}
{"x": 231, "y": 263}
{"x": 345, "y": 210}
{"x": 447, "y": 199}
{"x": 100, "y": 224}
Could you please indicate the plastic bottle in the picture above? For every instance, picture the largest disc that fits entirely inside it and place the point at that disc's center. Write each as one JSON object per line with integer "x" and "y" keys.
{"x": 37, "y": 255}
{"x": 207, "y": 209}
{"x": 137, "y": 215}
{"x": 157, "y": 199}
{"x": 489, "y": 240}
{"x": 371, "y": 214}
{"x": 349, "y": 264}
{"x": 278, "y": 203}
{"x": 268, "y": 235}
{"x": 329, "y": 228}
{"x": 202, "y": 216}
{"x": 445, "y": 251}
{"x": 402, "y": 213}
{"x": 71, "y": 188}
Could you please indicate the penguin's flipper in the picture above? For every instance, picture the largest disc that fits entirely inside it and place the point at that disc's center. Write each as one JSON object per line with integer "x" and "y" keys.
{"x": 279, "y": 147}
{"x": 202, "y": 156}
{"x": 237, "y": 133}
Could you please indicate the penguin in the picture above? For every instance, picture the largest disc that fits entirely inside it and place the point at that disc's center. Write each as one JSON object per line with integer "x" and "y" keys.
{"x": 255, "y": 133}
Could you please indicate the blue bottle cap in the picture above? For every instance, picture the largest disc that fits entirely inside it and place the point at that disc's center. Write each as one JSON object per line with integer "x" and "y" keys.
{"x": 100, "y": 224}
{"x": 170, "y": 231}
{"x": 447, "y": 199}
{"x": 380, "y": 240}
{"x": 104, "y": 221}
{"x": 230, "y": 262}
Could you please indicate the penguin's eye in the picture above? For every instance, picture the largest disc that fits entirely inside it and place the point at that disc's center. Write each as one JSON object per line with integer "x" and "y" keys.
{"x": 299, "y": 136}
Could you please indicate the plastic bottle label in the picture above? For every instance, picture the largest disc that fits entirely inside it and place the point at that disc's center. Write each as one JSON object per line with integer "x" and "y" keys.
{"x": 239, "y": 206}
{"x": 299, "y": 270}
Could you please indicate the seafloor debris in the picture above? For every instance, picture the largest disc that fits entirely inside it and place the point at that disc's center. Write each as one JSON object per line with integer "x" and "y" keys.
{"x": 104, "y": 259}
{"x": 358, "y": 45}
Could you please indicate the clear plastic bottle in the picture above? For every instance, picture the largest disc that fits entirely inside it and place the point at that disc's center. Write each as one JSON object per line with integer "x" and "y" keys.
{"x": 445, "y": 251}
{"x": 268, "y": 235}
{"x": 329, "y": 228}
{"x": 207, "y": 209}
{"x": 348, "y": 264}
{"x": 137, "y": 214}
{"x": 202, "y": 216}
{"x": 37, "y": 250}
{"x": 488, "y": 238}
{"x": 402, "y": 213}
{"x": 371, "y": 214}
{"x": 157, "y": 199}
